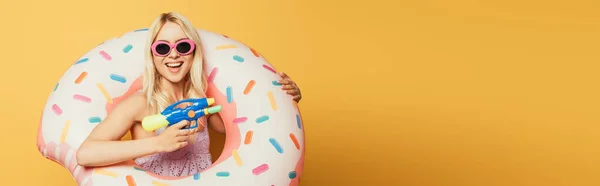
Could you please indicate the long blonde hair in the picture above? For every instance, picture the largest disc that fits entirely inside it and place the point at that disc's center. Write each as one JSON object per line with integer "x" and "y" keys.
{"x": 195, "y": 86}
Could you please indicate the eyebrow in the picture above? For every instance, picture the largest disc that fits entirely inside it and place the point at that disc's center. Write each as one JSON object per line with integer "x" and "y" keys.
{"x": 175, "y": 41}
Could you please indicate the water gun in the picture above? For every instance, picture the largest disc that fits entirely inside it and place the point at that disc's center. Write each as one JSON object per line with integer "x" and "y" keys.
{"x": 171, "y": 115}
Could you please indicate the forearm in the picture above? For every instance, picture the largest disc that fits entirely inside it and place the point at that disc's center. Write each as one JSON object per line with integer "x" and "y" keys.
{"x": 102, "y": 153}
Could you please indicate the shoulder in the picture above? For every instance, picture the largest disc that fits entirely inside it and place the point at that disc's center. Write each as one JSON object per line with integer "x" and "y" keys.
{"x": 135, "y": 104}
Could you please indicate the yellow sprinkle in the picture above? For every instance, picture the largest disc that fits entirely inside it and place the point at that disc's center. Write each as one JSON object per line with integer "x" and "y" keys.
{"x": 221, "y": 47}
{"x": 236, "y": 156}
{"x": 63, "y": 135}
{"x": 106, "y": 95}
{"x": 105, "y": 172}
{"x": 272, "y": 100}
{"x": 155, "y": 183}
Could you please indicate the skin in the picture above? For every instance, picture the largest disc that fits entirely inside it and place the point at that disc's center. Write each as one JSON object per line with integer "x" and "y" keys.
{"x": 104, "y": 145}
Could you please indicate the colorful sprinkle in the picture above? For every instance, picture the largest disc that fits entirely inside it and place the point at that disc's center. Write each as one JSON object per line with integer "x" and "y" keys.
{"x": 272, "y": 100}
{"x": 238, "y": 58}
{"x": 269, "y": 68}
{"x": 137, "y": 168}
{"x": 212, "y": 74}
{"x": 262, "y": 119}
{"x": 222, "y": 47}
{"x": 225, "y": 36}
{"x": 55, "y": 87}
{"x": 292, "y": 174}
{"x": 276, "y": 83}
{"x": 82, "y": 98}
{"x": 223, "y": 174}
{"x": 130, "y": 181}
{"x": 127, "y": 48}
{"x": 229, "y": 95}
{"x": 105, "y": 172}
{"x": 239, "y": 120}
{"x": 82, "y": 60}
{"x": 57, "y": 110}
{"x": 63, "y": 135}
{"x": 105, "y": 55}
{"x": 118, "y": 78}
{"x": 254, "y": 52}
{"x": 197, "y": 176}
{"x": 94, "y": 119}
{"x": 81, "y": 77}
{"x": 276, "y": 145}
{"x": 139, "y": 30}
{"x": 156, "y": 183}
{"x": 293, "y": 137}
{"x": 248, "y": 139}
{"x": 299, "y": 121}
{"x": 105, "y": 93}
{"x": 249, "y": 86}
{"x": 236, "y": 157}
{"x": 260, "y": 169}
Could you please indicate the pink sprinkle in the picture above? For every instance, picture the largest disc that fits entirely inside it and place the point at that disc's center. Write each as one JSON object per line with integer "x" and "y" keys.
{"x": 269, "y": 68}
{"x": 56, "y": 109}
{"x": 212, "y": 75}
{"x": 105, "y": 55}
{"x": 82, "y": 98}
{"x": 240, "y": 120}
{"x": 260, "y": 169}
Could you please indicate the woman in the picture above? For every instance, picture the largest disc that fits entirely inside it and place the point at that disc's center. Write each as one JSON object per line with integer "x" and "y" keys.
{"x": 173, "y": 72}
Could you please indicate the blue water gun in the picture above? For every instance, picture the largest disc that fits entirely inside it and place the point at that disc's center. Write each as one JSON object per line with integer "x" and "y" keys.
{"x": 172, "y": 115}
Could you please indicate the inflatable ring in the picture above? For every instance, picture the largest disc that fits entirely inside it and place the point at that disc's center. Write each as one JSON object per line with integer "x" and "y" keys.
{"x": 264, "y": 142}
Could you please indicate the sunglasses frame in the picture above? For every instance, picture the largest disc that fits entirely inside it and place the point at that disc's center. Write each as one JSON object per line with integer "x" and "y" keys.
{"x": 171, "y": 46}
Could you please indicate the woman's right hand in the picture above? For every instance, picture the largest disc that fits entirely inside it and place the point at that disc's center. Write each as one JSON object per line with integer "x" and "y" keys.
{"x": 174, "y": 138}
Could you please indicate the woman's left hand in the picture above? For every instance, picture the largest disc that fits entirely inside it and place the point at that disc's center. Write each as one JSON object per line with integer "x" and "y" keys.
{"x": 290, "y": 87}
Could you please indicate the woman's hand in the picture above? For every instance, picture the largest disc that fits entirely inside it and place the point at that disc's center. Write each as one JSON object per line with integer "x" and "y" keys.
{"x": 290, "y": 87}
{"x": 174, "y": 138}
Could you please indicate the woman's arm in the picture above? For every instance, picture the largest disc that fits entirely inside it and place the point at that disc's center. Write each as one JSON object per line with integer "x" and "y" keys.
{"x": 104, "y": 145}
{"x": 215, "y": 122}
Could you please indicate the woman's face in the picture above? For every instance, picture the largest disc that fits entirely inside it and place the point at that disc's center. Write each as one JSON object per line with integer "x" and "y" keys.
{"x": 172, "y": 58}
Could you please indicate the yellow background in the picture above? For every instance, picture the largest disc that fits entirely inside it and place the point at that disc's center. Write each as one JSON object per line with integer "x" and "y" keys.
{"x": 419, "y": 93}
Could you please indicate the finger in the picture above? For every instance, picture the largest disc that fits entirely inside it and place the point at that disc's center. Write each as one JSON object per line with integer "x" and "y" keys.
{"x": 297, "y": 98}
{"x": 184, "y": 132}
{"x": 181, "y": 124}
{"x": 287, "y": 87}
{"x": 182, "y": 144}
{"x": 284, "y": 82}
{"x": 283, "y": 75}
{"x": 292, "y": 92}
{"x": 182, "y": 138}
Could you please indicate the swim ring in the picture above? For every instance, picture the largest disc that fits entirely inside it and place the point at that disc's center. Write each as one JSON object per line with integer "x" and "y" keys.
{"x": 264, "y": 142}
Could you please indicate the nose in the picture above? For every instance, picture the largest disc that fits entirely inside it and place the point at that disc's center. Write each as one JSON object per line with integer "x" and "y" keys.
{"x": 174, "y": 53}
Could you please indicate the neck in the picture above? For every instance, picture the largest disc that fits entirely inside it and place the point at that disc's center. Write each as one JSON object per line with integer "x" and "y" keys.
{"x": 174, "y": 90}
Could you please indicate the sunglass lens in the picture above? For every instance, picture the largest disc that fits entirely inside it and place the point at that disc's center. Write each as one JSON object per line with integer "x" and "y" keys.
{"x": 162, "y": 49}
{"x": 184, "y": 47}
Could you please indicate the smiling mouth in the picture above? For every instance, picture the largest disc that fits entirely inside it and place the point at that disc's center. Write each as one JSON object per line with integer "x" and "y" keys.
{"x": 174, "y": 64}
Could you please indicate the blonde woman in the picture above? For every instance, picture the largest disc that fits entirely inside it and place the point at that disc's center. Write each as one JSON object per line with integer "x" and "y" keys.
{"x": 173, "y": 72}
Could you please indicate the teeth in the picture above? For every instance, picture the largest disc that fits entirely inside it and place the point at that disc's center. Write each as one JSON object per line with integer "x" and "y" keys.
{"x": 176, "y": 64}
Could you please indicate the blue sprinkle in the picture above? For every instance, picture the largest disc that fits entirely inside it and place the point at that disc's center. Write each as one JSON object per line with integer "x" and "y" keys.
{"x": 94, "y": 120}
{"x": 276, "y": 145}
{"x": 229, "y": 95}
{"x": 292, "y": 174}
{"x": 197, "y": 176}
{"x": 238, "y": 58}
{"x": 276, "y": 83}
{"x": 139, "y": 30}
{"x": 82, "y": 60}
{"x": 299, "y": 121}
{"x": 55, "y": 87}
{"x": 136, "y": 168}
{"x": 127, "y": 48}
{"x": 118, "y": 78}
{"x": 262, "y": 119}
{"x": 223, "y": 174}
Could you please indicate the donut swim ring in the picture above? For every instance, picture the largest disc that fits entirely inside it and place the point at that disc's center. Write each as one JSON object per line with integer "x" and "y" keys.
{"x": 264, "y": 142}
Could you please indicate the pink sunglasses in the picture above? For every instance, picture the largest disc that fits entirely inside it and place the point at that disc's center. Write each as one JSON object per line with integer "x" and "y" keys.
{"x": 183, "y": 47}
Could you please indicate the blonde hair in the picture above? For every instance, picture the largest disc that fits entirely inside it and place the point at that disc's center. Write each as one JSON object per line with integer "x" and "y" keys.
{"x": 196, "y": 82}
